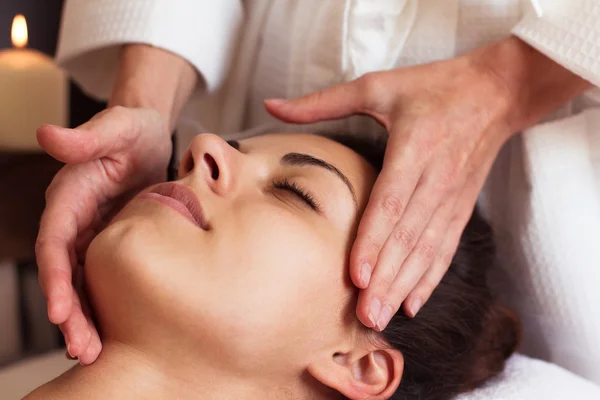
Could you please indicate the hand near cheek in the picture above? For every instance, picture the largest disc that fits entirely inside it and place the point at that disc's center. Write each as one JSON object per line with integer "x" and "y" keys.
{"x": 446, "y": 124}
{"x": 108, "y": 159}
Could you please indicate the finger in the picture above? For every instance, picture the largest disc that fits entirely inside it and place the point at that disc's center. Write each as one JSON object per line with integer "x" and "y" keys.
{"x": 92, "y": 351}
{"x": 332, "y": 103}
{"x": 76, "y": 331}
{"x": 462, "y": 212}
{"x": 412, "y": 269}
{"x": 58, "y": 229}
{"x": 386, "y": 205}
{"x": 54, "y": 247}
{"x": 387, "y": 202}
{"x": 94, "y": 347}
{"x": 108, "y": 132}
{"x": 433, "y": 276}
{"x": 72, "y": 146}
{"x": 400, "y": 238}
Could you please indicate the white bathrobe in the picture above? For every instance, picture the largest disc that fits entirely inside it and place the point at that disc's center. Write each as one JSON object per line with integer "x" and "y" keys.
{"x": 543, "y": 194}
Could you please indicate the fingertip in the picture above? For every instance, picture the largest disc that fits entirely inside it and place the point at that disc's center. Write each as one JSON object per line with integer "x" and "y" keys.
{"x": 65, "y": 144}
{"x": 361, "y": 274}
{"x": 46, "y": 133}
{"x": 412, "y": 306}
{"x": 92, "y": 352}
{"x": 279, "y": 109}
{"x": 354, "y": 270}
{"x": 79, "y": 343}
{"x": 58, "y": 311}
{"x": 363, "y": 310}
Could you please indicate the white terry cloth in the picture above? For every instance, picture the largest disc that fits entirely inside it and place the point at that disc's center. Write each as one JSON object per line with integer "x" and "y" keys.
{"x": 525, "y": 378}
{"x": 201, "y": 31}
{"x": 324, "y": 42}
{"x": 543, "y": 200}
{"x": 291, "y": 47}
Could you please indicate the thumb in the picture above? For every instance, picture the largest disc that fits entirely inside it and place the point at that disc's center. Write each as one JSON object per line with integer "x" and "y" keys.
{"x": 104, "y": 134}
{"x": 69, "y": 146}
{"x": 332, "y": 103}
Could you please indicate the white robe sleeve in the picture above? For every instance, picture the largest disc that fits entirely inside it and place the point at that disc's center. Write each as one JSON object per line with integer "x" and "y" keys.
{"x": 201, "y": 31}
{"x": 566, "y": 31}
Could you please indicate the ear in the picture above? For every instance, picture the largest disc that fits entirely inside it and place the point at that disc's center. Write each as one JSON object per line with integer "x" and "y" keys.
{"x": 360, "y": 373}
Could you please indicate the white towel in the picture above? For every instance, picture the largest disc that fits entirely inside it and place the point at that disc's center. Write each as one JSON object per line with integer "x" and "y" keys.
{"x": 543, "y": 200}
{"x": 525, "y": 378}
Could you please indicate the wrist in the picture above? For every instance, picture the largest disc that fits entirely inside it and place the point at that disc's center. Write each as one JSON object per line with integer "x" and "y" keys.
{"x": 532, "y": 84}
{"x": 150, "y": 77}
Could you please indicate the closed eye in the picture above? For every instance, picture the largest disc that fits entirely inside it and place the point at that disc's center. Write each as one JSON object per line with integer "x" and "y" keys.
{"x": 300, "y": 192}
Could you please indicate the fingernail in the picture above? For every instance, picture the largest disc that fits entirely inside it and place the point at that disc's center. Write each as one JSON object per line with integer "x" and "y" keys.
{"x": 374, "y": 309}
{"x": 277, "y": 102}
{"x": 69, "y": 351}
{"x": 384, "y": 318}
{"x": 365, "y": 274}
{"x": 415, "y": 307}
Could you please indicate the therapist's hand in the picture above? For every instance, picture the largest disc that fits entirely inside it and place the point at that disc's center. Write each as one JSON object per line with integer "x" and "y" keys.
{"x": 446, "y": 123}
{"x": 110, "y": 158}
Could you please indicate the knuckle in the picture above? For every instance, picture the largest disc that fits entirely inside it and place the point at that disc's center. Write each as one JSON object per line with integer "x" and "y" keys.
{"x": 405, "y": 237}
{"x": 424, "y": 146}
{"x": 372, "y": 87}
{"x": 118, "y": 110}
{"x": 392, "y": 206}
{"x": 124, "y": 116}
{"x": 447, "y": 180}
{"x": 427, "y": 250}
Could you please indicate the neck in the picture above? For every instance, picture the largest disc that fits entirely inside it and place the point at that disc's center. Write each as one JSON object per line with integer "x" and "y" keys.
{"x": 123, "y": 372}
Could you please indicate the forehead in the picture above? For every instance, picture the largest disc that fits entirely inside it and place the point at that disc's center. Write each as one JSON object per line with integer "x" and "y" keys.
{"x": 359, "y": 172}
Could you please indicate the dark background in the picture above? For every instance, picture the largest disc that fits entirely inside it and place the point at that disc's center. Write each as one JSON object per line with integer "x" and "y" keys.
{"x": 24, "y": 177}
{"x": 23, "y": 182}
{"x": 43, "y": 22}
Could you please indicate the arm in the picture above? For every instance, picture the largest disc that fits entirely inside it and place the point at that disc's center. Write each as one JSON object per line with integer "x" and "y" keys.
{"x": 446, "y": 122}
{"x": 126, "y": 147}
{"x": 203, "y": 32}
{"x": 534, "y": 84}
{"x": 567, "y": 32}
{"x": 150, "y": 77}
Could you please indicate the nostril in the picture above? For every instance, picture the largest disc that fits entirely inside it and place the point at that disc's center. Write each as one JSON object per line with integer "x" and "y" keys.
{"x": 212, "y": 165}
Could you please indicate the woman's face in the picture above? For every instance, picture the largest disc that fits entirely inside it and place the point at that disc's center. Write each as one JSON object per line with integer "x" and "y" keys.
{"x": 263, "y": 284}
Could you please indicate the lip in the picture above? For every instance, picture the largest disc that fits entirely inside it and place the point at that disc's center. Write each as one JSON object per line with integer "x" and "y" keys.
{"x": 181, "y": 199}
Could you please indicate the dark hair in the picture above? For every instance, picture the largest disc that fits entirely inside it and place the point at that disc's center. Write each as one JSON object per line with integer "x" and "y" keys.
{"x": 462, "y": 335}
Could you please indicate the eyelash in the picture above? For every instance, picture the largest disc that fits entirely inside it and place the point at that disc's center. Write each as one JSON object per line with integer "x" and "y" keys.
{"x": 303, "y": 194}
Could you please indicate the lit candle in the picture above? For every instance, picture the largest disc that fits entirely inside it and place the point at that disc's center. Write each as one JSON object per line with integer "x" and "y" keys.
{"x": 33, "y": 92}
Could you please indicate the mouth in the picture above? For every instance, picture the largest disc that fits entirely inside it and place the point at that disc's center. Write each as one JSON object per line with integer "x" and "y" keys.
{"x": 181, "y": 199}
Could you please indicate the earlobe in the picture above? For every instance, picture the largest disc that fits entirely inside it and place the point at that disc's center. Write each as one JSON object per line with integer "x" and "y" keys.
{"x": 360, "y": 373}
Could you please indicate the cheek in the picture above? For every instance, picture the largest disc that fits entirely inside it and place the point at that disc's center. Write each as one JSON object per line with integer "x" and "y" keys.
{"x": 138, "y": 273}
{"x": 284, "y": 277}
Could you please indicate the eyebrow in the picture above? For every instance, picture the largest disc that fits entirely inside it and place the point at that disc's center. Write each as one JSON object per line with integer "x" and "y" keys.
{"x": 300, "y": 159}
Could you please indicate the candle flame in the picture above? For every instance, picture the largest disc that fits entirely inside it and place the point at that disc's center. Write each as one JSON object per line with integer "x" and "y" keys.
{"x": 19, "y": 31}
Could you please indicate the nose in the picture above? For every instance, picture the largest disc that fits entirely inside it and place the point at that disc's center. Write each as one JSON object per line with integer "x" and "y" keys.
{"x": 210, "y": 159}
